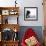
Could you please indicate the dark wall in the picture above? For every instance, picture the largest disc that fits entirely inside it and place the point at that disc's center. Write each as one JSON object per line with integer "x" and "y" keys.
{"x": 37, "y": 29}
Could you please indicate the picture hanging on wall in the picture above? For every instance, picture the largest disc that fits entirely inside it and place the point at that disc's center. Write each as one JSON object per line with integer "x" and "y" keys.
{"x": 30, "y": 13}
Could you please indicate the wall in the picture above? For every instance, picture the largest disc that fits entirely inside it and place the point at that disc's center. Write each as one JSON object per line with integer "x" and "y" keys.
{"x": 26, "y": 3}
{"x": 30, "y": 3}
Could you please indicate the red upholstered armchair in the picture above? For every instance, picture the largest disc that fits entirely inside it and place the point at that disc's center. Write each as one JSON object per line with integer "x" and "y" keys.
{"x": 30, "y": 38}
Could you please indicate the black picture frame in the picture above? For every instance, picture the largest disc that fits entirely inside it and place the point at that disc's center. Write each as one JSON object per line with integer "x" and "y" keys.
{"x": 33, "y": 11}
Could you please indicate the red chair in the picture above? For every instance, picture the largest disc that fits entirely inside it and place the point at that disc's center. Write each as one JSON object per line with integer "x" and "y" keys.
{"x": 29, "y": 33}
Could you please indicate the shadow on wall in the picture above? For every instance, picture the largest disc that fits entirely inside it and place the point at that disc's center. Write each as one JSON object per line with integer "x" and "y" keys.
{"x": 37, "y": 29}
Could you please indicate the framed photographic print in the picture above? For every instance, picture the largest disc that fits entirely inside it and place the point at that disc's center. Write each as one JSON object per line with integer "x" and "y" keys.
{"x": 13, "y": 12}
{"x": 5, "y": 12}
{"x": 30, "y": 13}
